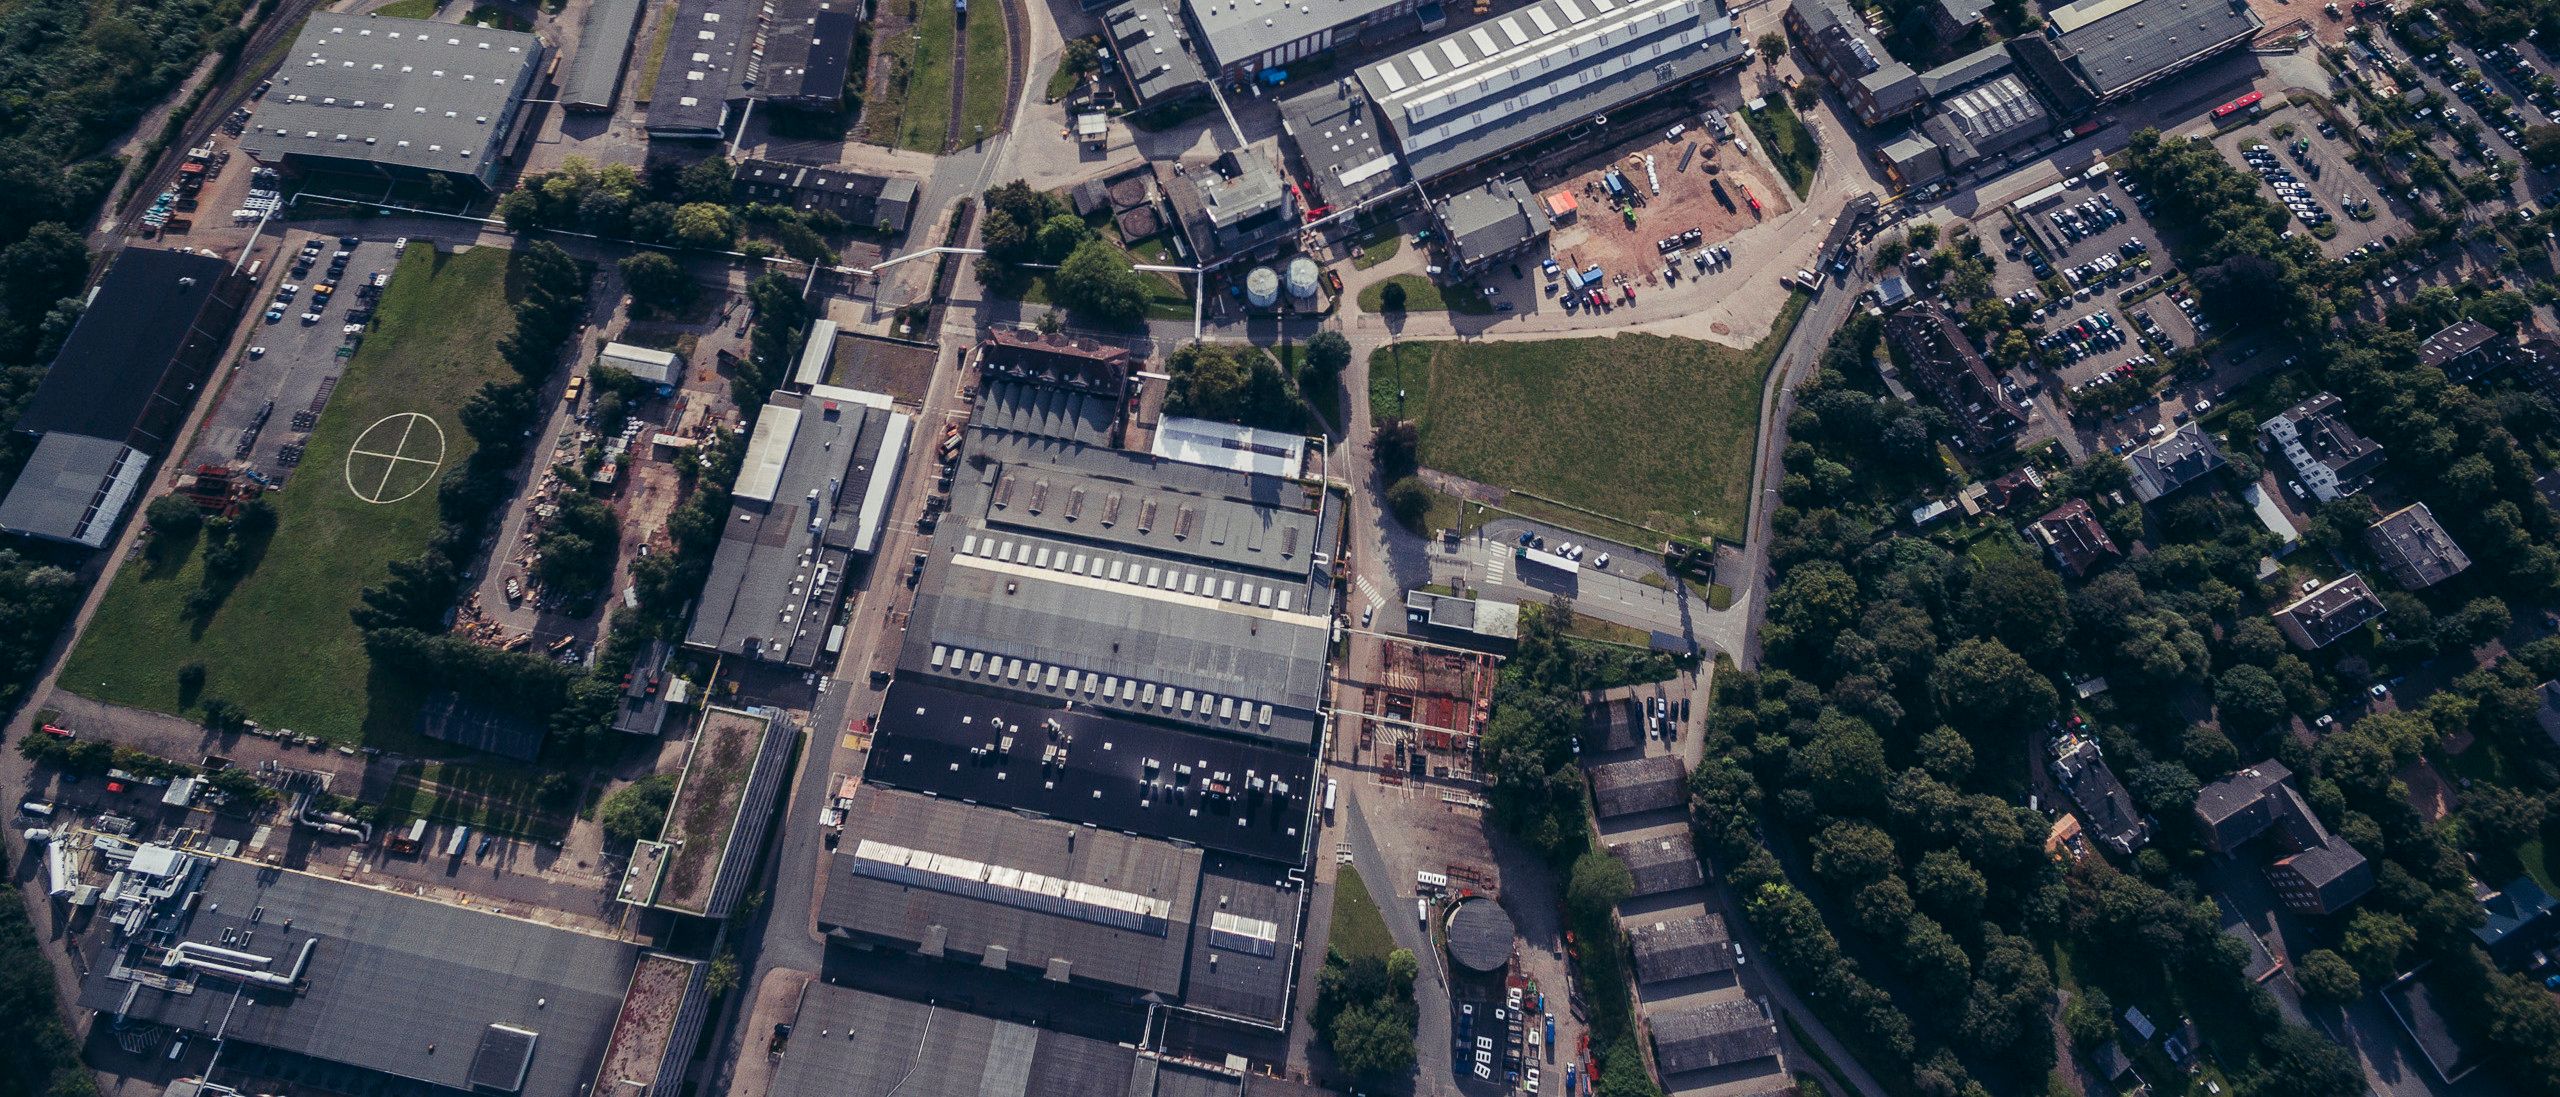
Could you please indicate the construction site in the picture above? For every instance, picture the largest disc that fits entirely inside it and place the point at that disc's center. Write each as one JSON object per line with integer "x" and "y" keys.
{"x": 1419, "y": 708}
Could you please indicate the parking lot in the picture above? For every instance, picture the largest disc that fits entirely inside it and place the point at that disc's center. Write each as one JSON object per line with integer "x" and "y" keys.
{"x": 2097, "y": 240}
{"x": 2300, "y": 165}
{"x": 281, "y": 382}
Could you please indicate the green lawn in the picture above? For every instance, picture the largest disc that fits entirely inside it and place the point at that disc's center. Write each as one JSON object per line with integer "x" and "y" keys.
{"x": 409, "y": 9}
{"x": 982, "y": 105}
{"x": 1378, "y": 247}
{"x": 1062, "y": 82}
{"x": 1359, "y": 927}
{"x": 282, "y": 646}
{"x": 1652, "y": 430}
{"x": 924, "y": 120}
{"x": 1421, "y": 295}
{"x": 1788, "y": 143}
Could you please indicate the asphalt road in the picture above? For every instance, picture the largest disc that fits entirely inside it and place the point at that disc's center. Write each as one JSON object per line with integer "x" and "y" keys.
{"x": 1431, "y": 990}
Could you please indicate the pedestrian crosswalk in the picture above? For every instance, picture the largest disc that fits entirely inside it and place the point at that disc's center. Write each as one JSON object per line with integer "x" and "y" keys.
{"x": 1368, "y": 592}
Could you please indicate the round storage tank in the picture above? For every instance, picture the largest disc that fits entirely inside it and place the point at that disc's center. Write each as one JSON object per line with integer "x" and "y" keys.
{"x": 1302, "y": 278}
{"x": 1262, "y": 288}
{"x": 1480, "y": 936}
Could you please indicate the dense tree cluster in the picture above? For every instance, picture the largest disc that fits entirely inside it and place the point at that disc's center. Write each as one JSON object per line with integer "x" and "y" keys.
{"x": 1233, "y": 383}
{"x": 1366, "y": 1014}
{"x": 2247, "y": 269}
{"x": 638, "y": 811}
{"x": 577, "y": 548}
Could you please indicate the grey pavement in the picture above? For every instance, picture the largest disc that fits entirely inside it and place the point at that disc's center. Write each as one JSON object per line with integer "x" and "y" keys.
{"x": 1431, "y": 990}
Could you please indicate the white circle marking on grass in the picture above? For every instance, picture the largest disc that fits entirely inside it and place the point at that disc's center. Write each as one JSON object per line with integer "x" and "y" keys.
{"x": 398, "y": 454}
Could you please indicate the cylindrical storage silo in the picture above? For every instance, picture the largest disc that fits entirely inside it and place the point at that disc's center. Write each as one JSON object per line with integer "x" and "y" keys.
{"x": 1302, "y": 278}
{"x": 1262, "y": 288}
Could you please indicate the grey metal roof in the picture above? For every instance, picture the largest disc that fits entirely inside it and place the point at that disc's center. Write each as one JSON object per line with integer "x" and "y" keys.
{"x": 1085, "y": 765}
{"x": 604, "y": 50}
{"x": 2238, "y": 792}
{"x": 146, "y": 313}
{"x": 2115, "y": 44}
{"x": 396, "y": 984}
{"x": 775, "y": 582}
{"x": 406, "y": 92}
{"x": 1011, "y": 926}
{"x": 73, "y": 488}
{"x": 1337, "y": 134}
{"x": 1148, "y": 39}
{"x": 1468, "y": 96}
{"x": 1667, "y": 863}
{"x": 2411, "y": 544}
{"x": 1679, "y": 948}
{"x": 2163, "y": 467}
{"x": 1239, "y": 974}
{"x": 1490, "y": 220}
{"x": 852, "y": 1043}
{"x": 1482, "y": 935}
{"x": 1051, "y": 411}
{"x": 708, "y": 63}
{"x": 1713, "y": 1035}
{"x": 1968, "y": 70}
{"x": 2323, "y": 616}
{"x": 2463, "y": 337}
{"x": 1639, "y": 784}
{"x": 1987, "y": 119}
{"x": 1234, "y": 207}
{"x": 1239, "y": 31}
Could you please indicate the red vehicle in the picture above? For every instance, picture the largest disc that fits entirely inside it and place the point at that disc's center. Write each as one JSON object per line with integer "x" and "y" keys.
{"x": 1599, "y": 299}
{"x": 2237, "y": 105}
{"x": 57, "y": 732}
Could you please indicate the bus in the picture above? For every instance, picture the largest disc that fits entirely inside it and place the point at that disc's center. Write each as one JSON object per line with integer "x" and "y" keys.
{"x": 1332, "y": 789}
{"x": 2236, "y": 106}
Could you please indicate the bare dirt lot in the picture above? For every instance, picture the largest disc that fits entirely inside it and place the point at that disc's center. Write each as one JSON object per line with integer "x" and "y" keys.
{"x": 1687, "y": 200}
{"x": 903, "y": 370}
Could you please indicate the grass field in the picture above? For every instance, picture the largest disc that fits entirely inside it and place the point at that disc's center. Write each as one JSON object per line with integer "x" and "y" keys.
{"x": 1420, "y": 295}
{"x": 924, "y": 120}
{"x": 1790, "y": 146}
{"x": 1359, "y": 927}
{"x": 1378, "y": 247}
{"x": 982, "y": 105}
{"x": 282, "y": 646}
{"x": 1652, "y": 430}
{"x": 409, "y": 9}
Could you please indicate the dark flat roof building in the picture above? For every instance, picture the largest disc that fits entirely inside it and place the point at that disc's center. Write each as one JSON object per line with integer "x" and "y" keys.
{"x": 2414, "y": 548}
{"x": 813, "y": 493}
{"x": 1639, "y": 785}
{"x": 1236, "y": 208}
{"x": 2462, "y": 350}
{"x": 1086, "y": 765}
{"x": 2329, "y": 614}
{"x": 594, "y": 75}
{"x": 2313, "y": 871}
{"x": 1482, "y": 936}
{"x": 882, "y": 203}
{"x": 852, "y": 1043}
{"x": 1680, "y": 948}
{"x": 1148, "y": 42}
{"x": 708, "y": 51}
{"x": 1133, "y": 917}
{"x": 1484, "y": 225}
{"x": 2237, "y": 808}
{"x": 2427, "y": 1014}
{"x": 1513, "y": 79}
{"x": 349, "y": 977}
{"x": 155, "y": 327}
{"x": 1340, "y": 141}
{"x": 1713, "y": 1035}
{"x": 398, "y": 98}
{"x": 809, "y": 54}
{"x": 1663, "y": 864}
{"x": 1940, "y": 359}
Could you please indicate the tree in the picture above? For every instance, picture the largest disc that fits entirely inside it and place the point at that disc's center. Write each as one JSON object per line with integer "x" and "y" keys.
{"x": 2249, "y": 699}
{"x": 1599, "y": 883}
{"x": 1949, "y": 886}
{"x": 1236, "y": 384}
{"x": 704, "y": 226}
{"x": 638, "y": 811}
{"x": 2017, "y": 600}
{"x": 1806, "y": 94}
{"x": 1095, "y": 280}
{"x": 1996, "y": 690}
{"x": 656, "y": 282}
{"x": 2375, "y": 941}
{"x": 2302, "y": 1063}
{"x": 1396, "y": 449}
{"x": 2090, "y": 1018}
{"x": 2542, "y": 144}
{"x": 1391, "y": 296}
{"x": 2326, "y": 976}
{"x": 172, "y": 517}
{"x": 722, "y": 977}
{"x": 1409, "y": 501}
{"x": 1327, "y": 352}
{"x": 1773, "y": 46}
{"x": 2495, "y": 817}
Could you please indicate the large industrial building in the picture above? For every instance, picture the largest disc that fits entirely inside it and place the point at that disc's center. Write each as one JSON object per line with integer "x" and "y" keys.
{"x": 711, "y": 52}
{"x": 845, "y": 1041}
{"x": 1465, "y": 98}
{"x": 1834, "y": 37}
{"x": 2104, "y": 51}
{"x": 359, "y": 989}
{"x": 808, "y": 59}
{"x": 812, "y": 495}
{"x": 594, "y": 74}
{"x": 1240, "y": 39}
{"x": 400, "y": 100}
{"x": 1095, "y": 765}
{"x": 119, "y": 391}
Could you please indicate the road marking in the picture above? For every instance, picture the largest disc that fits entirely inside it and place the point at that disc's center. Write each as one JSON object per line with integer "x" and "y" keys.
{"x": 1368, "y": 592}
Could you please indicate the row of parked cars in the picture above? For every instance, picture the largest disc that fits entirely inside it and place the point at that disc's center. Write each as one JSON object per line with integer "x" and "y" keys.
{"x": 2089, "y": 335}
{"x": 2090, "y": 217}
{"x": 2290, "y": 189}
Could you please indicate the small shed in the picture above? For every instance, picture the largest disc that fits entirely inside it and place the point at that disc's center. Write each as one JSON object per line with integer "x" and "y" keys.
{"x": 657, "y": 367}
